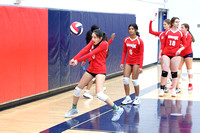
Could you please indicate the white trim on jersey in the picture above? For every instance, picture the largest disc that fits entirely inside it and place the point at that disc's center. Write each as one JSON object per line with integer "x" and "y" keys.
{"x": 181, "y": 33}
{"x": 138, "y": 41}
{"x": 166, "y": 32}
{"x": 133, "y": 39}
{"x": 175, "y": 31}
{"x": 161, "y": 34}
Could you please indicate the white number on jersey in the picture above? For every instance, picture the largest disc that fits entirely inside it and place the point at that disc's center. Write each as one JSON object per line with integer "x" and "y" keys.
{"x": 130, "y": 51}
{"x": 172, "y": 43}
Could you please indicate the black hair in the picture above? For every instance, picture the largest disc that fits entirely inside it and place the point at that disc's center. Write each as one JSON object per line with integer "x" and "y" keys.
{"x": 105, "y": 37}
{"x": 135, "y": 27}
{"x": 188, "y": 29}
{"x": 100, "y": 34}
{"x": 173, "y": 20}
{"x": 94, "y": 27}
{"x": 89, "y": 33}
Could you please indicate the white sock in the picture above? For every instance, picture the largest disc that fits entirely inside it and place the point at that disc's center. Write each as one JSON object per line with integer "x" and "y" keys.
{"x": 87, "y": 91}
{"x": 190, "y": 81}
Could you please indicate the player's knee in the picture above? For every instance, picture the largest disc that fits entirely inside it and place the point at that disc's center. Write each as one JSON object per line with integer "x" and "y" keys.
{"x": 164, "y": 73}
{"x": 135, "y": 82}
{"x": 174, "y": 74}
{"x": 126, "y": 80}
{"x": 102, "y": 96}
{"x": 77, "y": 91}
{"x": 189, "y": 71}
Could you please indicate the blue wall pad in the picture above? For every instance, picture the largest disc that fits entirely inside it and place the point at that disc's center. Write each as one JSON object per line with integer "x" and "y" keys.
{"x": 63, "y": 46}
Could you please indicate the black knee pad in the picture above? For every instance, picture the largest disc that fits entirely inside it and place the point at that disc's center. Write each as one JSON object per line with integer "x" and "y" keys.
{"x": 174, "y": 74}
{"x": 164, "y": 73}
{"x": 162, "y": 87}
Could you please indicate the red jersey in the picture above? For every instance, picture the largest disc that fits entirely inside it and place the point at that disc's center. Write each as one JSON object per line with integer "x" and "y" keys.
{"x": 188, "y": 47}
{"x": 159, "y": 34}
{"x": 98, "y": 56}
{"x": 135, "y": 48}
{"x": 109, "y": 42}
{"x": 172, "y": 41}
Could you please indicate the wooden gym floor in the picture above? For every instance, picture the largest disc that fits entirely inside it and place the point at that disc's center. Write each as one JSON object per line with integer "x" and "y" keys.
{"x": 154, "y": 114}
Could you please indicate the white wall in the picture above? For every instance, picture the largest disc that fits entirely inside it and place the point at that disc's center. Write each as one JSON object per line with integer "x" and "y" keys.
{"x": 144, "y": 10}
{"x": 188, "y": 12}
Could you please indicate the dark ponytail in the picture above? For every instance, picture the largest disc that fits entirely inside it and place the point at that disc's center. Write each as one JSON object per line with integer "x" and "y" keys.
{"x": 104, "y": 36}
{"x": 136, "y": 28}
{"x": 188, "y": 29}
{"x": 193, "y": 40}
{"x": 138, "y": 34}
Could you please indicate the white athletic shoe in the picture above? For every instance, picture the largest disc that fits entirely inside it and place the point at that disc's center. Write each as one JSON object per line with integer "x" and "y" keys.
{"x": 87, "y": 95}
{"x": 136, "y": 101}
{"x": 166, "y": 90}
{"x": 174, "y": 93}
{"x": 117, "y": 114}
{"x": 161, "y": 94}
{"x": 178, "y": 90}
{"x": 169, "y": 81}
{"x": 71, "y": 112}
{"x": 104, "y": 88}
{"x": 126, "y": 100}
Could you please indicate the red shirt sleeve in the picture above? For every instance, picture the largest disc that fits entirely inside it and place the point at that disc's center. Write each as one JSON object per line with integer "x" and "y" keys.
{"x": 183, "y": 39}
{"x": 85, "y": 50}
{"x": 110, "y": 41}
{"x": 141, "y": 53}
{"x": 101, "y": 47}
{"x": 189, "y": 40}
{"x": 151, "y": 31}
{"x": 164, "y": 41}
{"x": 124, "y": 52}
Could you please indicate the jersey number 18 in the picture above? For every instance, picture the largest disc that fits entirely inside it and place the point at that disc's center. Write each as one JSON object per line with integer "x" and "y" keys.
{"x": 172, "y": 43}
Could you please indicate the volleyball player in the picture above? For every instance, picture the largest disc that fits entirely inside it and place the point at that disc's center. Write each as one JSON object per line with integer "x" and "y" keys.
{"x": 88, "y": 39}
{"x": 97, "y": 69}
{"x": 160, "y": 34}
{"x": 171, "y": 53}
{"x": 187, "y": 56}
{"x": 134, "y": 46}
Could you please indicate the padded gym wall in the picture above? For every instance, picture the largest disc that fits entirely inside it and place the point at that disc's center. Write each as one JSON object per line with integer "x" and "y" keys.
{"x": 63, "y": 46}
{"x": 23, "y": 52}
{"x": 59, "y": 48}
{"x": 36, "y": 46}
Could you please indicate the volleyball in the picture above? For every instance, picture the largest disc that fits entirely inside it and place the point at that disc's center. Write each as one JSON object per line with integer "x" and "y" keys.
{"x": 76, "y": 28}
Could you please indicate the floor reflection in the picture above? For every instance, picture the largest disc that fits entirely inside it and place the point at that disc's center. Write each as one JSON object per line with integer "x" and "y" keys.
{"x": 151, "y": 116}
{"x": 174, "y": 118}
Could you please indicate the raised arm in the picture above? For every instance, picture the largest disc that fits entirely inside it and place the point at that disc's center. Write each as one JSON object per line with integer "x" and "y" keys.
{"x": 111, "y": 38}
{"x": 151, "y": 31}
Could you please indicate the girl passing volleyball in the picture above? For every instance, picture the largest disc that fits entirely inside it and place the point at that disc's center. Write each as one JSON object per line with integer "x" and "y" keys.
{"x": 97, "y": 68}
